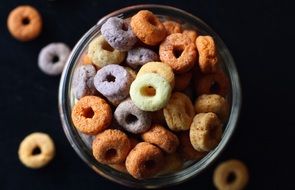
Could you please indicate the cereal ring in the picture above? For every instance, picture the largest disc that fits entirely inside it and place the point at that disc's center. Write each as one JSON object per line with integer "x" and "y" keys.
{"x": 163, "y": 69}
{"x": 144, "y": 160}
{"x": 83, "y": 81}
{"x": 205, "y": 131}
{"x": 231, "y": 175}
{"x": 24, "y": 23}
{"x": 179, "y": 112}
{"x": 148, "y": 28}
{"x": 102, "y": 54}
{"x": 191, "y": 34}
{"x": 179, "y": 52}
{"x": 207, "y": 54}
{"x": 212, "y": 103}
{"x": 111, "y": 146}
{"x": 182, "y": 81}
{"x": 91, "y": 115}
{"x": 216, "y": 83}
{"x": 53, "y": 57}
{"x": 140, "y": 56}
{"x": 162, "y": 138}
{"x": 85, "y": 59}
{"x": 36, "y": 150}
{"x": 173, "y": 163}
{"x": 186, "y": 150}
{"x": 118, "y": 34}
{"x": 172, "y": 27}
{"x": 113, "y": 81}
{"x": 150, "y": 92}
{"x": 131, "y": 118}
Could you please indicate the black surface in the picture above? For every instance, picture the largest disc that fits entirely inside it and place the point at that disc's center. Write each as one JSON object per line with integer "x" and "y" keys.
{"x": 260, "y": 37}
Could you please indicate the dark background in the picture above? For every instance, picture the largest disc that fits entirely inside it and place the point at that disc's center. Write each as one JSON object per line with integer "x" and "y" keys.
{"x": 260, "y": 36}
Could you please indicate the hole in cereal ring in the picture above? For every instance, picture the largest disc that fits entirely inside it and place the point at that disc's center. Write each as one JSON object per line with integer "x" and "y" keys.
{"x": 55, "y": 59}
{"x": 88, "y": 112}
{"x": 110, "y": 153}
{"x": 110, "y": 78}
{"x": 231, "y": 177}
{"x": 36, "y": 150}
{"x": 148, "y": 91}
{"x": 149, "y": 164}
{"x": 131, "y": 118}
{"x": 26, "y": 21}
{"x": 214, "y": 88}
{"x": 107, "y": 47}
{"x": 177, "y": 51}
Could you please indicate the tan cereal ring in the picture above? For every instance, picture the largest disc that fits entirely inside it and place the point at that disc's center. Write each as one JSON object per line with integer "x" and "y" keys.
{"x": 36, "y": 141}
{"x": 212, "y": 103}
{"x": 144, "y": 160}
{"x": 205, "y": 131}
{"x": 163, "y": 69}
{"x": 91, "y": 115}
{"x": 111, "y": 146}
{"x": 235, "y": 168}
{"x": 24, "y": 23}
{"x": 179, "y": 112}
{"x": 207, "y": 54}
{"x": 179, "y": 52}
{"x": 182, "y": 81}
{"x": 191, "y": 34}
{"x": 148, "y": 28}
{"x": 172, "y": 27}
{"x": 162, "y": 138}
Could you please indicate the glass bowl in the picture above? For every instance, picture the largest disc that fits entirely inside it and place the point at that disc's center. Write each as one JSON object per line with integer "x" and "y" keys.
{"x": 80, "y": 143}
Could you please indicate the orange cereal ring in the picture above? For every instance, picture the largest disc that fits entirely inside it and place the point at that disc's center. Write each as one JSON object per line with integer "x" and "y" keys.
{"x": 216, "y": 83}
{"x": 148, "y": 28}
{"x": 179, "y": 52}
{"x": 24, "y": 23}
{"x": 111, "y": 146}
{"x": 191, "y": 34}
{"x": 172, "y": 27}
{"x": 91, "y": 115}
{"x": 207, "y": 54}
{"x": 186, "y": 149}
{"x": 144, "y": 161}
{"x": 182, "y": 80}
{"x": 161, "y": 137}
{"x": 86, "y": 59}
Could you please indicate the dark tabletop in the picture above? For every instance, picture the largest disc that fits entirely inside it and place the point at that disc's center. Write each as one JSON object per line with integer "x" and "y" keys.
{"x": 259, "y": 35}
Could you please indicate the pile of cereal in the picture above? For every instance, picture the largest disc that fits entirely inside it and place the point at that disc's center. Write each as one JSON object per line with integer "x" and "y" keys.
{"x": 134, "y": 91}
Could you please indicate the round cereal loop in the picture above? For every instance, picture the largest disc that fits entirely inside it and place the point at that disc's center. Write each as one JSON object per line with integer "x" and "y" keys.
{"x": 179, "y": 112}
{"x": 182, "y": 81}
{"x": 163, "y": 69}
{"x": 205, "y": 131}
{"x": 172, "y": 27}
{"x": 148, "y": 28}
{"x": 173, "y": 163}
{"x": 91, "y": 115}
{"x": 191, "y": 34}
{"x": 186, "y": 150}
{"x": 113, "y": 81}
{"x": 216, "y": 83}
{"x": 162, "y": 138}
{"x": 140, "y": 56}
{"x": 111, "y": 146}
{"x": 24, "y": 23}
{"x": 179, "y": 52}
{"x": 131, "y": 118}
{"x": 53, "y": 57}
{"x": 102, "y": 54}
{"x": 212, "y": 103}
{"x": 207, "y": 54}
{"x": 83, "y": 81}
{"x": 144, "y": 160}
{"x": 118, "y": 34}
{"x": 150, "y": 92}
{"x": 231, "y": 175}
{"x": 36, "y": 150}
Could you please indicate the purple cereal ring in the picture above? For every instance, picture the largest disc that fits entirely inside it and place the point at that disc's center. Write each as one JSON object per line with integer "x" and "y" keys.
{"x": 83, "y": 81}
{"x": 52, "y": 58}
{"x": 113, "y": 81}
{"x": 118, "y": 34}
{"x": 131, "y": 118}
{"x": 140, "y": 56}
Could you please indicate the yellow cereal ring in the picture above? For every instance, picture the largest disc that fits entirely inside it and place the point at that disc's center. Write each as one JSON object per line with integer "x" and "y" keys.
{"x": 141, "y": 95}
{"x": 102, "y": 54}
{"x": 163, "y": 69}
